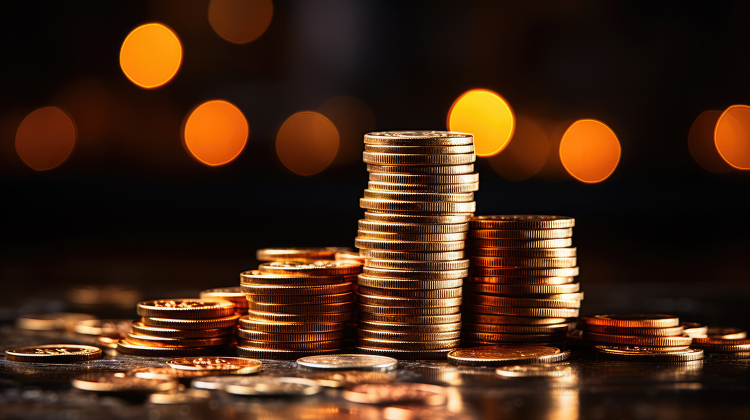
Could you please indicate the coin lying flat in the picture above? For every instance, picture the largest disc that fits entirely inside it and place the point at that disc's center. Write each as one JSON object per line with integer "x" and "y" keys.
{"x": 187, "y": 308}
{"x": 191, "y": 324}
{"x": 317, "y": 268}
{"x": 126, "y": 347}
{"x": 143, "y": 329}
{"x": 726, "y": 333}
{"x": 259, "y": 278}
{"x": 232, "y": 294}
{"x": 249, "y": 323}
{"x": 523, "y": 221}
{"x": 419, "y": 138}
{"x": 651, "y": 332}
{"x": 504, "y": 355}
{"x": 396, "y": 393}
{"x": 418, "y": 149}
{"x": 260, "y": 385}
{"x": 379, "y": 216}
{"x": 348, "y": 361}
{"x": 534, "y": 371}
{"x": 147, "y": 340}
{"x": 422, "y": 170}
{"x": 54, "y": 353}
{"x": 412, "y": 256}
{"x": 275, "y": 354}
{"x": 645, "y": 355}
{"x": 721, "y": 345}
{"x": 296, "y": 290}
{"x": 635, "y": 340}
{"x": 234, "y": 365}
{"x": 633, "y": 320}
{"x": 695, "y": 329}
{"x": 524, "y": 253}
{"x": 119, "y": 382}
{"x": 521, "y": 233}
{"x": 299, "y": 254}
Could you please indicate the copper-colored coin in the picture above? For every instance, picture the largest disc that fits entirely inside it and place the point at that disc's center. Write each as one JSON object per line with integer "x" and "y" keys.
{"x": 423, "y": 188}
{"x": 513, "y": 289}
{"x": 259, "y": 278}
{"x": 192, "y": 324}
{"x": 525, "y": 312}
{"x": 407, "y": 179}
{"x": 127, "y": 347}
{"x": 418, "y": 206}
{"x": 186, "y": 308}
{"x": 417, "y": 237}
{"x": 289, "y": 337}
{"x": 350, "y": 255}
{"x": 233, "y": 365}
{"x": 151, "y": 341}
{"x": 531, "y": 303}
{"x": 408, "y": 336}
{"x": 142, "y": 329}
{"x": 302, "y": 299}
{"x": 412, "y": 228}
{"x": 421, "y": 169}
{"x": 649, "y": 332}
{"x": 418, "y": 265}
{"x": 525, "y": 272}
{"x": 629, "y": 354}
{"x": 412, "y": 256}
{"x": 317, "y": 268}
{"x": 512, "y": 338}
{"x": 504, "y": 355}
{"x": 523, "y": 262}
{"x": 306, "y": 318}
{"x": 523, "y": 253}
{"x": 291, "y": 345}
{"x": 419, "y": 138}
{"x": 408, "y": 245}
{"x": 406, "y": 354}
{"x": 411, "y": 328}
{"x": 388, "y": 310}
{"x": 407, "y": 345}
{"x": 232, "y": 294}
{"x": 721, "y": 345}
{"x": 419, "y": 196}
{"x": 276, "y": 354}
{"x": 634, "y": 340}
{"x": 522, "y": 221}
{"x": 633, "y": 320}
{"x": 520, "y": 243}
{"x": 411, "y": 319}
{"x": 521, "y": 233}
{"x": 323, "y": 308}
{"x": 387, "y": 283}
{"x": 54, "y": 353}
{"x": 378, "y": 216}
{"x": 418, "y": 159}
{"x": 726, "y": 333}
{"x": 695, "y": 329}
{"x": 521, "y": 281}
{"x": 298, "y": 254}
{"x": 248, "y": 323}
{"x": 560, "y": 328}
{"x": 397, "y": 302}
{"x": 414, "y": 274}
{"x": 478, "y": 318}
{"x": 326, "y": 289}
{"x": 418, "y": 149}
{"x": 412, "y": 294}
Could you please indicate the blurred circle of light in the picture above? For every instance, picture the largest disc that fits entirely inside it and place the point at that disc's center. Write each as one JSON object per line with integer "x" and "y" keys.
{"x": 240, "y": 21}
{"x": 526, "y": 154}
{"x": 487, "y": 116}
{"x": 589, "y": 151}
{"x": 701, "y": 143}
{"x": 215, "y": 132}
{"x": 45, "y": 138}
{"x": 732, "y": 136}
{"x": 150, "y": 55}
{"x": 307, "y": 142}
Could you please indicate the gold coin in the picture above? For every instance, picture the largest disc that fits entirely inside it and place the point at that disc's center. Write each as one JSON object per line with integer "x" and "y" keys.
{"x": 419, "y": 138}
{"x": 513, "y": 338}
{"x": 412, "y": 256}
{"x": 142, "y": 329}
{"x": 561, "y": 328}
{"x": 306, "y": 318}
{"x": 649, "y": 332}
{"x": 522, "y": 221}
{"x": 249, "y": 323}
{"x": 419, "y": 196}
{"x": 397, "y": 302}
{"x": 521, "y": 233}
{"x": 54, "y": 353}
{"x": 151, "y": 341}
{"x": 51, "y": 322}
{"x": 412, "y": 228}
{"x": 412, "y": 328}
{"x": 289, "y": 337}
{"x": 408, "y": 336}
{"x": 414, "y": 274}
{"x": 259, "y": 353}
{"x": 375, "y": 216}
{"x": 317, "y": 268}
{"x": 504, "y": 355}
{"x": 634, "y": 340}
{"x": 259, "y": 278}
{"x": 407, "y": 354}
{"x": 423, "y": 188}
{"x": 418, "y": 159}
{"x": 525, "y": 302}
{"x": 409, "y": 179}
{"x": 726, "y": 333}
{"x": 417, "y": 237}
{"x": 523, "y": 253}
{"x": 407, "y": 345}
{"x": 387, "y": 283}
{"x": 421, "y": 169}
{"x": 295, "y": 346}
{"x": 389, "y": 310}
{"x": 633, "y": 320}
{"x": 302, "y": 299}
{"x": 419, "y": 206}
{"x": 323, "y": 308}
{"x": 525, "y": 272}
{"x": 408, "y": 245}
{"x": 299, "y": 254}
{"x": 720, "y": 345}
{"x": 521, "y": 281}
{"x": 619, "y": 353}
{"x": 695, "y": 329}
{"x": 234, "y": 365}
{"x": 126, "y": 347}
{"x": 186, "y": 308}
{"x": 231, "y": 294}
{"x": 279, "y": 290}
{"x": 411, "y": 319}
{"x": 520, "y": 243}
{"x": 523, "y": 262}
{"x": 424, "y": 150}
{"x": 419, "y": 265}
{"x": 513, "y": 320}
{"x": 521, "y": 289}
{"x": 525, "y": 312}
{"x": 413, "y": 294}
{"x": 192, "y": 324}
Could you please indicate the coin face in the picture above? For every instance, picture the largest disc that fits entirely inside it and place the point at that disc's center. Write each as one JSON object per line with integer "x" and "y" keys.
{"x": 496, "y": 355}
{"x": 187, "y": 308}
{"x": 348, "y": 361}
{"x": 534, "y": 371}
{"x": 54, "y": 353}
{"x": 260, "y": 386}
{"x": 396, "y": 393}
{"x": 119, "y": 382}
{"x": 235, "y": 365}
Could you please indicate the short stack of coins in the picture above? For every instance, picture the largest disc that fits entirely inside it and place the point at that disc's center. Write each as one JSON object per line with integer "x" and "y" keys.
{"x": 639, "y": 337}
{"x": 296, "y": 309}
{"x": 522, "y": 287}
{"x": 419, "y": 200}
{"x": 723, "y": 343}
{"x": 181, "y": 327}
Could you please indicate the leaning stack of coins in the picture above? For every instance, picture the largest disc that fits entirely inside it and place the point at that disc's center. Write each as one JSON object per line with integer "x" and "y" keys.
{"x": 181, "y": 327}
{"x": 296, "y": 309}
{"x": 230, "y": 293}
{"x": 418, "y": 203}
{"x": 639, "y": 337}
{"x": 521, "y": 288}
{"x": 724, "y": 343}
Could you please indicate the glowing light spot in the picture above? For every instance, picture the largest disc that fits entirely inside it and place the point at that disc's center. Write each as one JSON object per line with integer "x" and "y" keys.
{"x": 45, "y": 138}
{"x": 240, "y": 21}
{"x": 589, "y": 151}
{"x": 487, "y": 116}
{"x": 732, "y": 136}
{"x": 307, "y": 142}
{"x": 525, "y": 155}
{"x": 215, "y": 132}
{"x": 151, "y": 55}
{"x": 701, "y": 143}
{"x": 352, "y": 118}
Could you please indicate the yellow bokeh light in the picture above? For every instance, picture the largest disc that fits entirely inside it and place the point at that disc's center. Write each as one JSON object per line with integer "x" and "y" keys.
{"x": 151, "y": 55}
{"x": 307, "y": 142}
{"x": 589, "y": 151}
{"x": 701, "y": 143}
{"x": 526, "y": 154}
{"x": 487, "y": 116}
{"x": 45, "y": 138}
{"x": 215, "y": 132}
{"x": 240, "y": 21}
{"x": 732, "y": 136}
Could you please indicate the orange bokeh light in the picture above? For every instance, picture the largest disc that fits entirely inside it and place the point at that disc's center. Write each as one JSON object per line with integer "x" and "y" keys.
{"x": 240, "y": 21}
{"x": 151, "y": 55}
{"x": 589, "y": 151}
{"x": 307, "y": 142}
{"x": 45, "y": 138}
{"x": 487, "y": 116}
{"x": 215, "y": 132}
{"x": 732, "y": 136}
{"x": 701, "y": 143}
{"x": 526, "y": 154}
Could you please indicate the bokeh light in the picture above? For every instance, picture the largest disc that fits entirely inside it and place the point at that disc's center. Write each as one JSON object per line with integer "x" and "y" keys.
{"x": 589, "y": 151}
{"x": 240, "y": 21}
{"x": 215, "y": 132}
{"x": 526, "y": 154}
{"x": 307, "y": 142}
{"x": 487, "y": 116}
{"x": 352, "y": 118}
{"x": 732, "y": 136}
{"x": 151, "y": 55}
{"x": 45, "y": 138}
{"x": 701, "y": 143}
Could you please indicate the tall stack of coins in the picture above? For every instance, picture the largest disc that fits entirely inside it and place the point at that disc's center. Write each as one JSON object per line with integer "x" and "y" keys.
{"x": 296, "y": 309}
{"x": 181, "y": 327}
{"x": 418, "y": 204}
{"x": 521, "y": 288}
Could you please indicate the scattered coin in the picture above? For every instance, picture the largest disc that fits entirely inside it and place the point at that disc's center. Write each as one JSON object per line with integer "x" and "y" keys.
{"x": 233, "y": 365}
{"x": 54, "y": 353}
{"x": 396, "y": 393}
{"x": 649, "y": 355}
{"x": 348, "y": 361}
{"x": 260, "y": 386}
{"x": 504, "y": 355}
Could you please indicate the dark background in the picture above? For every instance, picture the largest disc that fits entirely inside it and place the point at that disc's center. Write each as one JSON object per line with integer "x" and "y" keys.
{"x": 131, "y": 207}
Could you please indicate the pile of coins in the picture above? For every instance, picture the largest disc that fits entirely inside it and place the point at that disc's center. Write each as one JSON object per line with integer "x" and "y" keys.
{"x": 418, "y": 203}
{"x": 639, "y": 337}
{"x": 296, "y": 309}
{"x": 723, "y": 343}
{"x": 181, "y": 327}
{"x": 521, "y": 288}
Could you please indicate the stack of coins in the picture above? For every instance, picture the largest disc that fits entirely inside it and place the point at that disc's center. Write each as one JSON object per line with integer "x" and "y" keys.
{"x": 723, "y": 343}
{"x": 296, "y": 309}
{"x": 181, "y": 327}
{"x": 230, "y": 293}
{"x": 418, "y": 204}
{"x": 639, "y": 337}
{"x": 521, "y": 288}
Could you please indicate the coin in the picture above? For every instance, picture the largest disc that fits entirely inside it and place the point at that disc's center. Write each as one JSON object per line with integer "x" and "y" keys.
{"x": 423, "y": 188}
{"x": 643, "y": 355}
{"x": 513, "y": 338}
{"x": 650, "y": 332}
{"x": 403, "y": 327}
{"x": 635, "y": 340}
{"x": 396, "y": 393}
{"x": 523, "y": 221}
{"x": 419, "y": 196}
{"x": 186, "y": 308}
{"x": 531, "y": 303}
{"x": 524, "y": 312}
{"x": 282, "y": 290}
{"x": 387, "y": 283}
{"x": 422, "y": 169}
{"x": 432, "y": 228}
{"x": 408, "y": 245}
{"x": 233, "y": 365}
{"x": 411, "y": 319}
{"x": 126, "y": 347}
{"x": 348, "y": 361}
{"x": 266, "y": 386}
{"x": 407, "y": 345}
{"x": 295, "y": 337}
{"x": 259, "y": 278}
{"x": 317, "y": 268}
{"x": 534, "y": 371}
{"x": 54, "y": 353}
{"x": 412, "y": 294}
{"x": 232, "y": 294}
{"x": 147, "y": 340}
{"x": 408, "y": 336}
{"x": 275, "y": 354}
{"x": 191, "y": 324}
{"x": 406, "y": 354}
{"x": 721, "y": 345}
{"x": 418, "y": 159}
{"x": 523, "y": 262}
{"x": 50, "y": 322}
{"x": 302, "y": 299}
{"x": 480, "y": 318}
{"x": 322, "y": 308}
{"x": 412, "y": 179}
{"x": 525, "y": 272}
{"x": 399, "y": 302}
{"x": 390, "y": 310}
{"x": 412, "y": 256}
{"x": 521, "y": 289}
{"x": 353, "y": 255}
{"x": 414, "y": 274}
{"x": 419, "y": 265}
{"x": 560, "y": 328}
{"x": 299, "y": 254}
{"x": 419, "y": 206}
{"x": 409, "y": 149}
{"x": 295, "y": 346}
{"x": 417, "y": 218}
{"x": 543, "y": 281}
{"x": 521, "y": 233}
{"x": 633, "y": 320}
{"x": 417, "y": 237}
{"x": 524, "y": 253}
{"x": 419, "y": 138}
{"x": 695, "y": 329}
{"x": 119, "y": 382}
{"x": 520, "y": 243}
{"x": 726, "y": 333}
{"x": 248, "y": 323}
{"x": 304, "y": 318}
{"x": 504, "y": 355}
